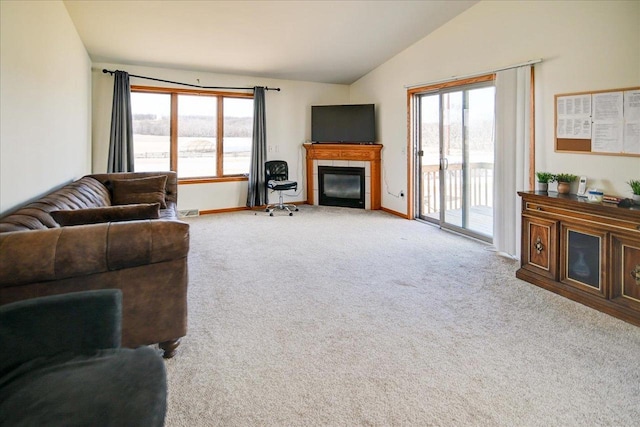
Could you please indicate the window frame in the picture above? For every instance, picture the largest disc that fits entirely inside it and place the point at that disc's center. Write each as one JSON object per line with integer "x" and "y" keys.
{"x": 173, "y": 129}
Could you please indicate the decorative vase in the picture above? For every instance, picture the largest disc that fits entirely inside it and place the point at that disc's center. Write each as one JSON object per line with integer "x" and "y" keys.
{"x": 580, "y": 268}
{"x": 543, "y": 187}
{"x": 636, "y": 199}
{"x": 564, "y": 187}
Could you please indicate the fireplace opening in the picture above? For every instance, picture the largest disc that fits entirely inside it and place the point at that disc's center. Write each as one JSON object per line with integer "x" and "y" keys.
{"x": 341, "y": 186}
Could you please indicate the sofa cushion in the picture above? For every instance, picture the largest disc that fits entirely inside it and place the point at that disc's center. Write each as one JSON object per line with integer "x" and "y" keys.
{"x": 139, "y": 190}
{"x": 86, "y": 251}
{"x": 107, "y": 214}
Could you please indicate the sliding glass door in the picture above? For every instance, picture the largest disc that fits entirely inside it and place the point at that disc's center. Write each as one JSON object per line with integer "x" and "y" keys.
{"x": 454, "y": 158}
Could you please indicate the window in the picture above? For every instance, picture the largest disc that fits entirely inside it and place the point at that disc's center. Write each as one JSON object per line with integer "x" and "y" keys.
{"x": 238, "y": 131}
{"x": 176, "y": 129}
{"x": 151, "y": 131}
{"x": 197, "y": 134}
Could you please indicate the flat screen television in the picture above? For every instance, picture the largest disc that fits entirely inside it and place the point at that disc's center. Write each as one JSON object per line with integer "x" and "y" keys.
{"x": 354, "y": 123}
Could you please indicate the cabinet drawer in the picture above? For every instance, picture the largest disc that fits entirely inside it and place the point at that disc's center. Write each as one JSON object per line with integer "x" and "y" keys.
{"x": 594, "y": 218}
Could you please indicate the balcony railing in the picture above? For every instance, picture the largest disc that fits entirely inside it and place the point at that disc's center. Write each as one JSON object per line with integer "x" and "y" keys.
{"x": 480, "y": 186}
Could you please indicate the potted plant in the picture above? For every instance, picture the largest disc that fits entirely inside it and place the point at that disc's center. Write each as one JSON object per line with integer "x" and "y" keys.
{"x": 564, "y": 181}
{"x": 543, "y": 180}
{"x": 635, "y": 189}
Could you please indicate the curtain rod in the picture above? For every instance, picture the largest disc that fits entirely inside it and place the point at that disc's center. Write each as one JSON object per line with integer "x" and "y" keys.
{"x": 453, "y": 78}
{"x": 105, "y": 71}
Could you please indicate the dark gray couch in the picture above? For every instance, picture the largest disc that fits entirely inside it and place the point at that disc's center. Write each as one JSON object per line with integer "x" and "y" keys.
{"x": 61, "y": 365}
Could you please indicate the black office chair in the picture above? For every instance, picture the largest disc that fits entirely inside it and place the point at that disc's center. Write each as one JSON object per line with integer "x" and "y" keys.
{"x": 276, "y": 178}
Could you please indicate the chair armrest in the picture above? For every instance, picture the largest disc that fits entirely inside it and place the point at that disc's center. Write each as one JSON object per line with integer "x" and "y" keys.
{"x": 77, "y": 322}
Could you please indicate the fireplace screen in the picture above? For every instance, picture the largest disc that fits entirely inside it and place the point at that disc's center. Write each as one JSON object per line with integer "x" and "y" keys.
{"x": 341, "y": 186}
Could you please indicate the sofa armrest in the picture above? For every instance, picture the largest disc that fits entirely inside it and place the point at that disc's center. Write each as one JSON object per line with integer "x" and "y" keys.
{"x": 76, "y": 322}
{"x": 60, "y": 253}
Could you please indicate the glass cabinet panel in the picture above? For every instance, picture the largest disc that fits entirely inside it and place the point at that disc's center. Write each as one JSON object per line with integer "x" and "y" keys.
{"x": 582, "y": 258}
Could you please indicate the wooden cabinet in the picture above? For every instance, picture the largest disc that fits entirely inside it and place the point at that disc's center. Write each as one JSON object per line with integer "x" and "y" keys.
{"x": 589, "y": 252}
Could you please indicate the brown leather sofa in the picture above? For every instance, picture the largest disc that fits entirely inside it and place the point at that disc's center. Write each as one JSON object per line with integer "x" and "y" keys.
{"x": 145, "y": 258}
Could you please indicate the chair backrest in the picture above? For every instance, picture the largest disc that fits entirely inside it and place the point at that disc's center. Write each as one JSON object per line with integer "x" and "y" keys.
{"x": 276, "y": 170}
{"x": 75, "y": 322}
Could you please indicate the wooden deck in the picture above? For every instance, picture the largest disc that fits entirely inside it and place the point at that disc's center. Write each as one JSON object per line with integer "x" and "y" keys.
{"x": 479, "y": 194}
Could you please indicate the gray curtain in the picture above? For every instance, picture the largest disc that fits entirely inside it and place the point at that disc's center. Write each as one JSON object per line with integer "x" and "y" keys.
{"x": 257, "y": 194}
{"x": 121, "y": 140}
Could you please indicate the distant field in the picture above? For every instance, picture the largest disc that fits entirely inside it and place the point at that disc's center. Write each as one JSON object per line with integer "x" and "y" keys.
{"x": 155, "y": 143}
{"x": 196, "y": 155}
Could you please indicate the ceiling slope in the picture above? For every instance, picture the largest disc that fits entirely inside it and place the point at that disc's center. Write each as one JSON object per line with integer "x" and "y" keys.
{"x": 319, "y": 41}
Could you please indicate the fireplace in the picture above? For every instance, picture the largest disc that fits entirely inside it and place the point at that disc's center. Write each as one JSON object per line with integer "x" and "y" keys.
{"x": 341, "y": 186}
{"x": 365, "y": 156}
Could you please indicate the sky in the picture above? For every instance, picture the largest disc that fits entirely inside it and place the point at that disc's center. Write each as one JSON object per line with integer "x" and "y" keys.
{"x": 159, "y": 104}
{"x": 482, "y": 104}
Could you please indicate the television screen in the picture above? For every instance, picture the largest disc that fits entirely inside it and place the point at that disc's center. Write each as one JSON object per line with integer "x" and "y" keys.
{"x": 343, "y": 123}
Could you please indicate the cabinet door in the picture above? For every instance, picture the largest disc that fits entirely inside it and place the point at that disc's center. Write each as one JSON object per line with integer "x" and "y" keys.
{"x": 626, "y": 271}
{"x": 583, "y": 263}
{"x": 539, "y": 243}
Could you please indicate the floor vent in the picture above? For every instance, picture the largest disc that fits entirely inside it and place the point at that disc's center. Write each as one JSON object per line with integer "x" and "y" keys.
{"x": 189, "y": 212}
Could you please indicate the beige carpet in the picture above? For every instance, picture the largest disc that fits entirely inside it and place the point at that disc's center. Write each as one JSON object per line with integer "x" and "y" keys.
{"x": 346, "y": 317}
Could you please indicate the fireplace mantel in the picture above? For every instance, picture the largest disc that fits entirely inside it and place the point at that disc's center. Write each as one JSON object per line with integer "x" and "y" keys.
{"x": 349, "y": 152}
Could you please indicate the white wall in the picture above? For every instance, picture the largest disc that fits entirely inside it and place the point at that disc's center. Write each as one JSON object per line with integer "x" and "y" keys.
{"x": 288, "y": 125}
{"x": 45, "y": 83}
{"x": 586, "y": 46}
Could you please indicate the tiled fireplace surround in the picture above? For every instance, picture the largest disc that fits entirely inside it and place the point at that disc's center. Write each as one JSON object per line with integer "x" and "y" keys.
{"x": 345, "y": 155}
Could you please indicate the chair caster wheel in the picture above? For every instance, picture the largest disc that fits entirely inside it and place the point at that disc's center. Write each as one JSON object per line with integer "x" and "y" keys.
{"x": 290, "y": 213}
{"x": 266, "y": 210}
{"x": 271, "y": 214}
{"x": 297, "y": 209}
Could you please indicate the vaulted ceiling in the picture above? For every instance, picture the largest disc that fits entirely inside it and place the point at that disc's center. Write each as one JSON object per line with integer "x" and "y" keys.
{"x": 319, "y": 41}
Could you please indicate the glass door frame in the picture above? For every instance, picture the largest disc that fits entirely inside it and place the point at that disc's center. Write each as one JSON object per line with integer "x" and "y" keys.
{"x": 412, "y": 127}
{"x": 416, "y": 157}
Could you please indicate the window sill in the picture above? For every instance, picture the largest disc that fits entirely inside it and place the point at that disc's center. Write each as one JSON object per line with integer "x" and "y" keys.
{"x": 210, "y": 180}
